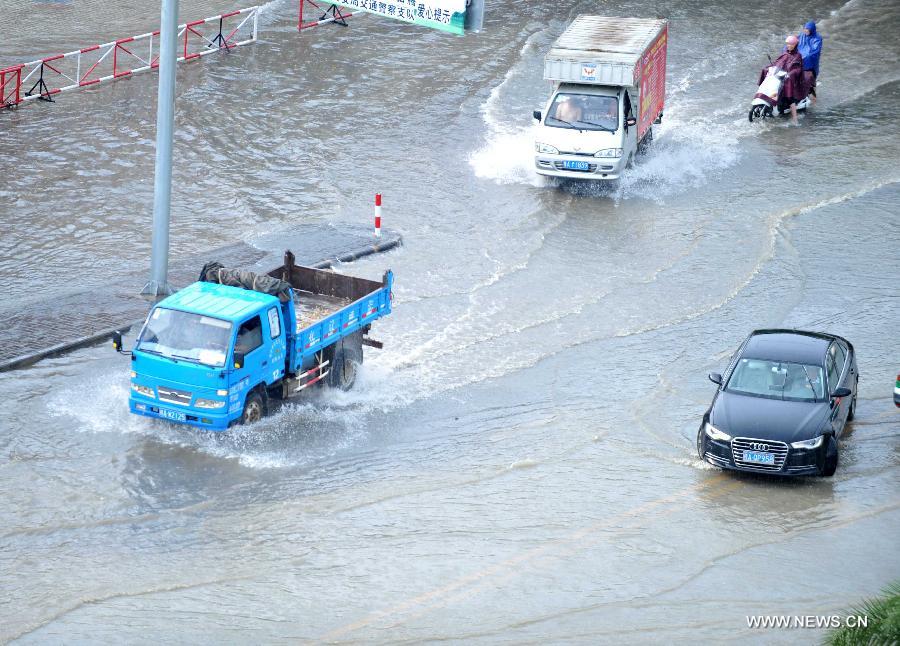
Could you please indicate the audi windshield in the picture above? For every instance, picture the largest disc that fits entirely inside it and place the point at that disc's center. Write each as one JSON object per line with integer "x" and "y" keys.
{"x": 778, "y": 380}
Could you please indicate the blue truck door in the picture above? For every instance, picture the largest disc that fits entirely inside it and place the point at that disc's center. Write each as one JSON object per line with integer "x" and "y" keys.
{"x": 249, "y": 341}
{"x": 278, "y": 345}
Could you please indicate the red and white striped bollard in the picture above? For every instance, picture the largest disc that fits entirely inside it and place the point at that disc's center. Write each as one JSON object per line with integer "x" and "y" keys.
{"x": 377, "y": 215}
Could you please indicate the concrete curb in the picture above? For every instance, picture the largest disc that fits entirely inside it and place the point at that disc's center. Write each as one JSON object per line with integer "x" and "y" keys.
{"x": 31, "y": 358}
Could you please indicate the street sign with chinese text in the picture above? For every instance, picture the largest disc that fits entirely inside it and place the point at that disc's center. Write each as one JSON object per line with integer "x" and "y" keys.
{"x": 446, "y": 15}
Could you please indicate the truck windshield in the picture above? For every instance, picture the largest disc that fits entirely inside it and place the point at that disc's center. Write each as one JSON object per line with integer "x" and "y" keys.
{"x": 584, "y": 112}
{"x": 186, "y": 336}
{"x": 778, "y": 380}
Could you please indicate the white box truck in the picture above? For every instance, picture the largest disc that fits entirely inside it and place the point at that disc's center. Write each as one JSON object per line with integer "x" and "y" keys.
{"x": 609, "y": 86}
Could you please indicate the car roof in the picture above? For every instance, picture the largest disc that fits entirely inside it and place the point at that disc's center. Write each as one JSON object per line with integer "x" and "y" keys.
{"x": 795, "y": 346}
{"x": 218, "y": 301}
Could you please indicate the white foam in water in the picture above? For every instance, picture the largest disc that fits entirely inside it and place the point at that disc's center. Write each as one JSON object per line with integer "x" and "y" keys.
{"x": 508, "y": 158}
{"x": 321, "y": 425}
{"x": 683, "y": 156}
{"x": 508, "y": 154}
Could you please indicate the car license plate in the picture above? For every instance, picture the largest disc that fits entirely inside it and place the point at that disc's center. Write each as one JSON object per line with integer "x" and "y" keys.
{"x": 576, "y": 165}
{"x": 173, "y": 415}
{"x": 759, "y": 458}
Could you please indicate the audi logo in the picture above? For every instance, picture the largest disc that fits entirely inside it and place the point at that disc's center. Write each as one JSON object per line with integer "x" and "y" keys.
{"x": 759, "y": 446}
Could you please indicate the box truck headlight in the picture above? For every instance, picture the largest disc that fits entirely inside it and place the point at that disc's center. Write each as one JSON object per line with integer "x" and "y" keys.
{"x": 208, "y": 403}
{"x": 146, "y": 391}
{"x": 545, "y": 149}
{"x": 609, "y": 152}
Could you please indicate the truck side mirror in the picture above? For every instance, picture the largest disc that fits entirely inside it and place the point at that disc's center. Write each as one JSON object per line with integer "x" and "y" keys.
{"x": 536, "y": 114}
{"x": 117, "y": 341}
{"x": 238, "y": 360}
{"x": 630, "y": 121}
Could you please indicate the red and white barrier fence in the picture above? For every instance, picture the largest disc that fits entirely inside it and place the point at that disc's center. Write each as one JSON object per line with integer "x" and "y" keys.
{"x": 333, "y": 13}
{"x": 377, "y": 214}
{"x": 43, "y": 78}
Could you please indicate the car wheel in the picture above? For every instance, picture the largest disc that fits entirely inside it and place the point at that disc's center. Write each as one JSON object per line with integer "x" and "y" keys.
{"x": 700, "y": 442}
{"x": 831, "y": 459}
{"x": 852, "y": 413}
{"x": 254, "y": 409}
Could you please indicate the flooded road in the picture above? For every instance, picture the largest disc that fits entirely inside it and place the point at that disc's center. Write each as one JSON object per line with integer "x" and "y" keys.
{"x": 518, "y": 463}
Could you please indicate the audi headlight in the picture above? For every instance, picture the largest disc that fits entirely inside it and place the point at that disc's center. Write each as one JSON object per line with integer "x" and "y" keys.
{"x": 814, "y": 443}
{"x": 609, "y": 152}
{"x": 146, "y": 391}
{"x": 715, "y": 434}
{"x": 208, "y": 403}
{"x": 545, "y": 149}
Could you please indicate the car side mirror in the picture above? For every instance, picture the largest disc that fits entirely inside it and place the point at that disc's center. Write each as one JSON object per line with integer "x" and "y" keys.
{"x": 842, "y": 392}
{"x": 630, "y": 121}
{"x": 715, "y": 377}
{"x": 536, "y": 114}
{"x": 238, "y": 360}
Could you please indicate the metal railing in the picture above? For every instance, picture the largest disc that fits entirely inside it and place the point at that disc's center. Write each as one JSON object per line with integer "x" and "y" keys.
{"x": 88, "y": 66}
{"x": 332, "y": 14}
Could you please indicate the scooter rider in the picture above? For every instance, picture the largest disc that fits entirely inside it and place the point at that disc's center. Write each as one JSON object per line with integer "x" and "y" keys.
{"x": 793, "y": 90}
{"x": 810, "y": 47}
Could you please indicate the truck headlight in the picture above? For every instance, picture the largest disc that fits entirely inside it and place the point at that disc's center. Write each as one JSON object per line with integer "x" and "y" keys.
{"x": 208, "y": 403}
{"x": 814, "y": 443}
{"x": 545, "y": 149}
{"x": 146, "y": 391}
{"x": 609, "y": 152}
{"x": 715, "y": 434}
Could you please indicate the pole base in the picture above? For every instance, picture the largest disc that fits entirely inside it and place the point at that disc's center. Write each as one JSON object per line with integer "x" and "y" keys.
{"x": 157, "y": 290}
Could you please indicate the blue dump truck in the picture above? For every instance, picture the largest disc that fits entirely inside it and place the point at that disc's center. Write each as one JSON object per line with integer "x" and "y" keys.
{"x": 219, "y": 351}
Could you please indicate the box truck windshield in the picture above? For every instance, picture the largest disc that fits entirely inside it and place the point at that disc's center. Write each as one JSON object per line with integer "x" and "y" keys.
{"x": 584, "y": 112}
{"x": 186, "y": 336}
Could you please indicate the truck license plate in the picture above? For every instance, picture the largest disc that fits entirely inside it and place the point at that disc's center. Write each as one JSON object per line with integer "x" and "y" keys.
{"x": 172, "y": 414}
{"x": 576, "y": 165}
{"x": 759, "y": 458}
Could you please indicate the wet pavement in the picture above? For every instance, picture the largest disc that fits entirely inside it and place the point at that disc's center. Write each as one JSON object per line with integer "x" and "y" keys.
{"x": 518, "y": 464}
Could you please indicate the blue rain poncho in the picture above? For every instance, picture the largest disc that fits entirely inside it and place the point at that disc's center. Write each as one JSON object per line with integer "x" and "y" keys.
{"x": 810, "y": 47}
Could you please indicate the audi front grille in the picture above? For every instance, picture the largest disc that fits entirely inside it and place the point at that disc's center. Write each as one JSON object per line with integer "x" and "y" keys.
{"x": 741, "y": 444}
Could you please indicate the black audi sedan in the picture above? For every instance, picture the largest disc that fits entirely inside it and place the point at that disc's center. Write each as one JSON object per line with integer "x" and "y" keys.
{"x": 782, "y": 404}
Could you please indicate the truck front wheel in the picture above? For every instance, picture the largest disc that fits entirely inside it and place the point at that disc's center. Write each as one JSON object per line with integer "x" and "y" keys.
{"x": 254, "y": 408}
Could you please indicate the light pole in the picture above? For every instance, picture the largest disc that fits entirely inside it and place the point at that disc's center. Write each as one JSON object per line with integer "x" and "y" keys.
{"x": 165, "y": 116}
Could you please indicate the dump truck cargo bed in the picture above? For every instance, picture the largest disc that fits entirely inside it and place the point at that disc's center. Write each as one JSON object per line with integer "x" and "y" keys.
{"x": 330, "y": 306}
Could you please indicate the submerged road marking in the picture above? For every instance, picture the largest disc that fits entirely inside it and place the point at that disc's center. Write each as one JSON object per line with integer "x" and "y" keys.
{"x": 432, "y": 599}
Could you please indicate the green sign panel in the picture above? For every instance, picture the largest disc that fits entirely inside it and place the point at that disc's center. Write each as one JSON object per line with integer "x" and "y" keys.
{"x": 446, "y": 15}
